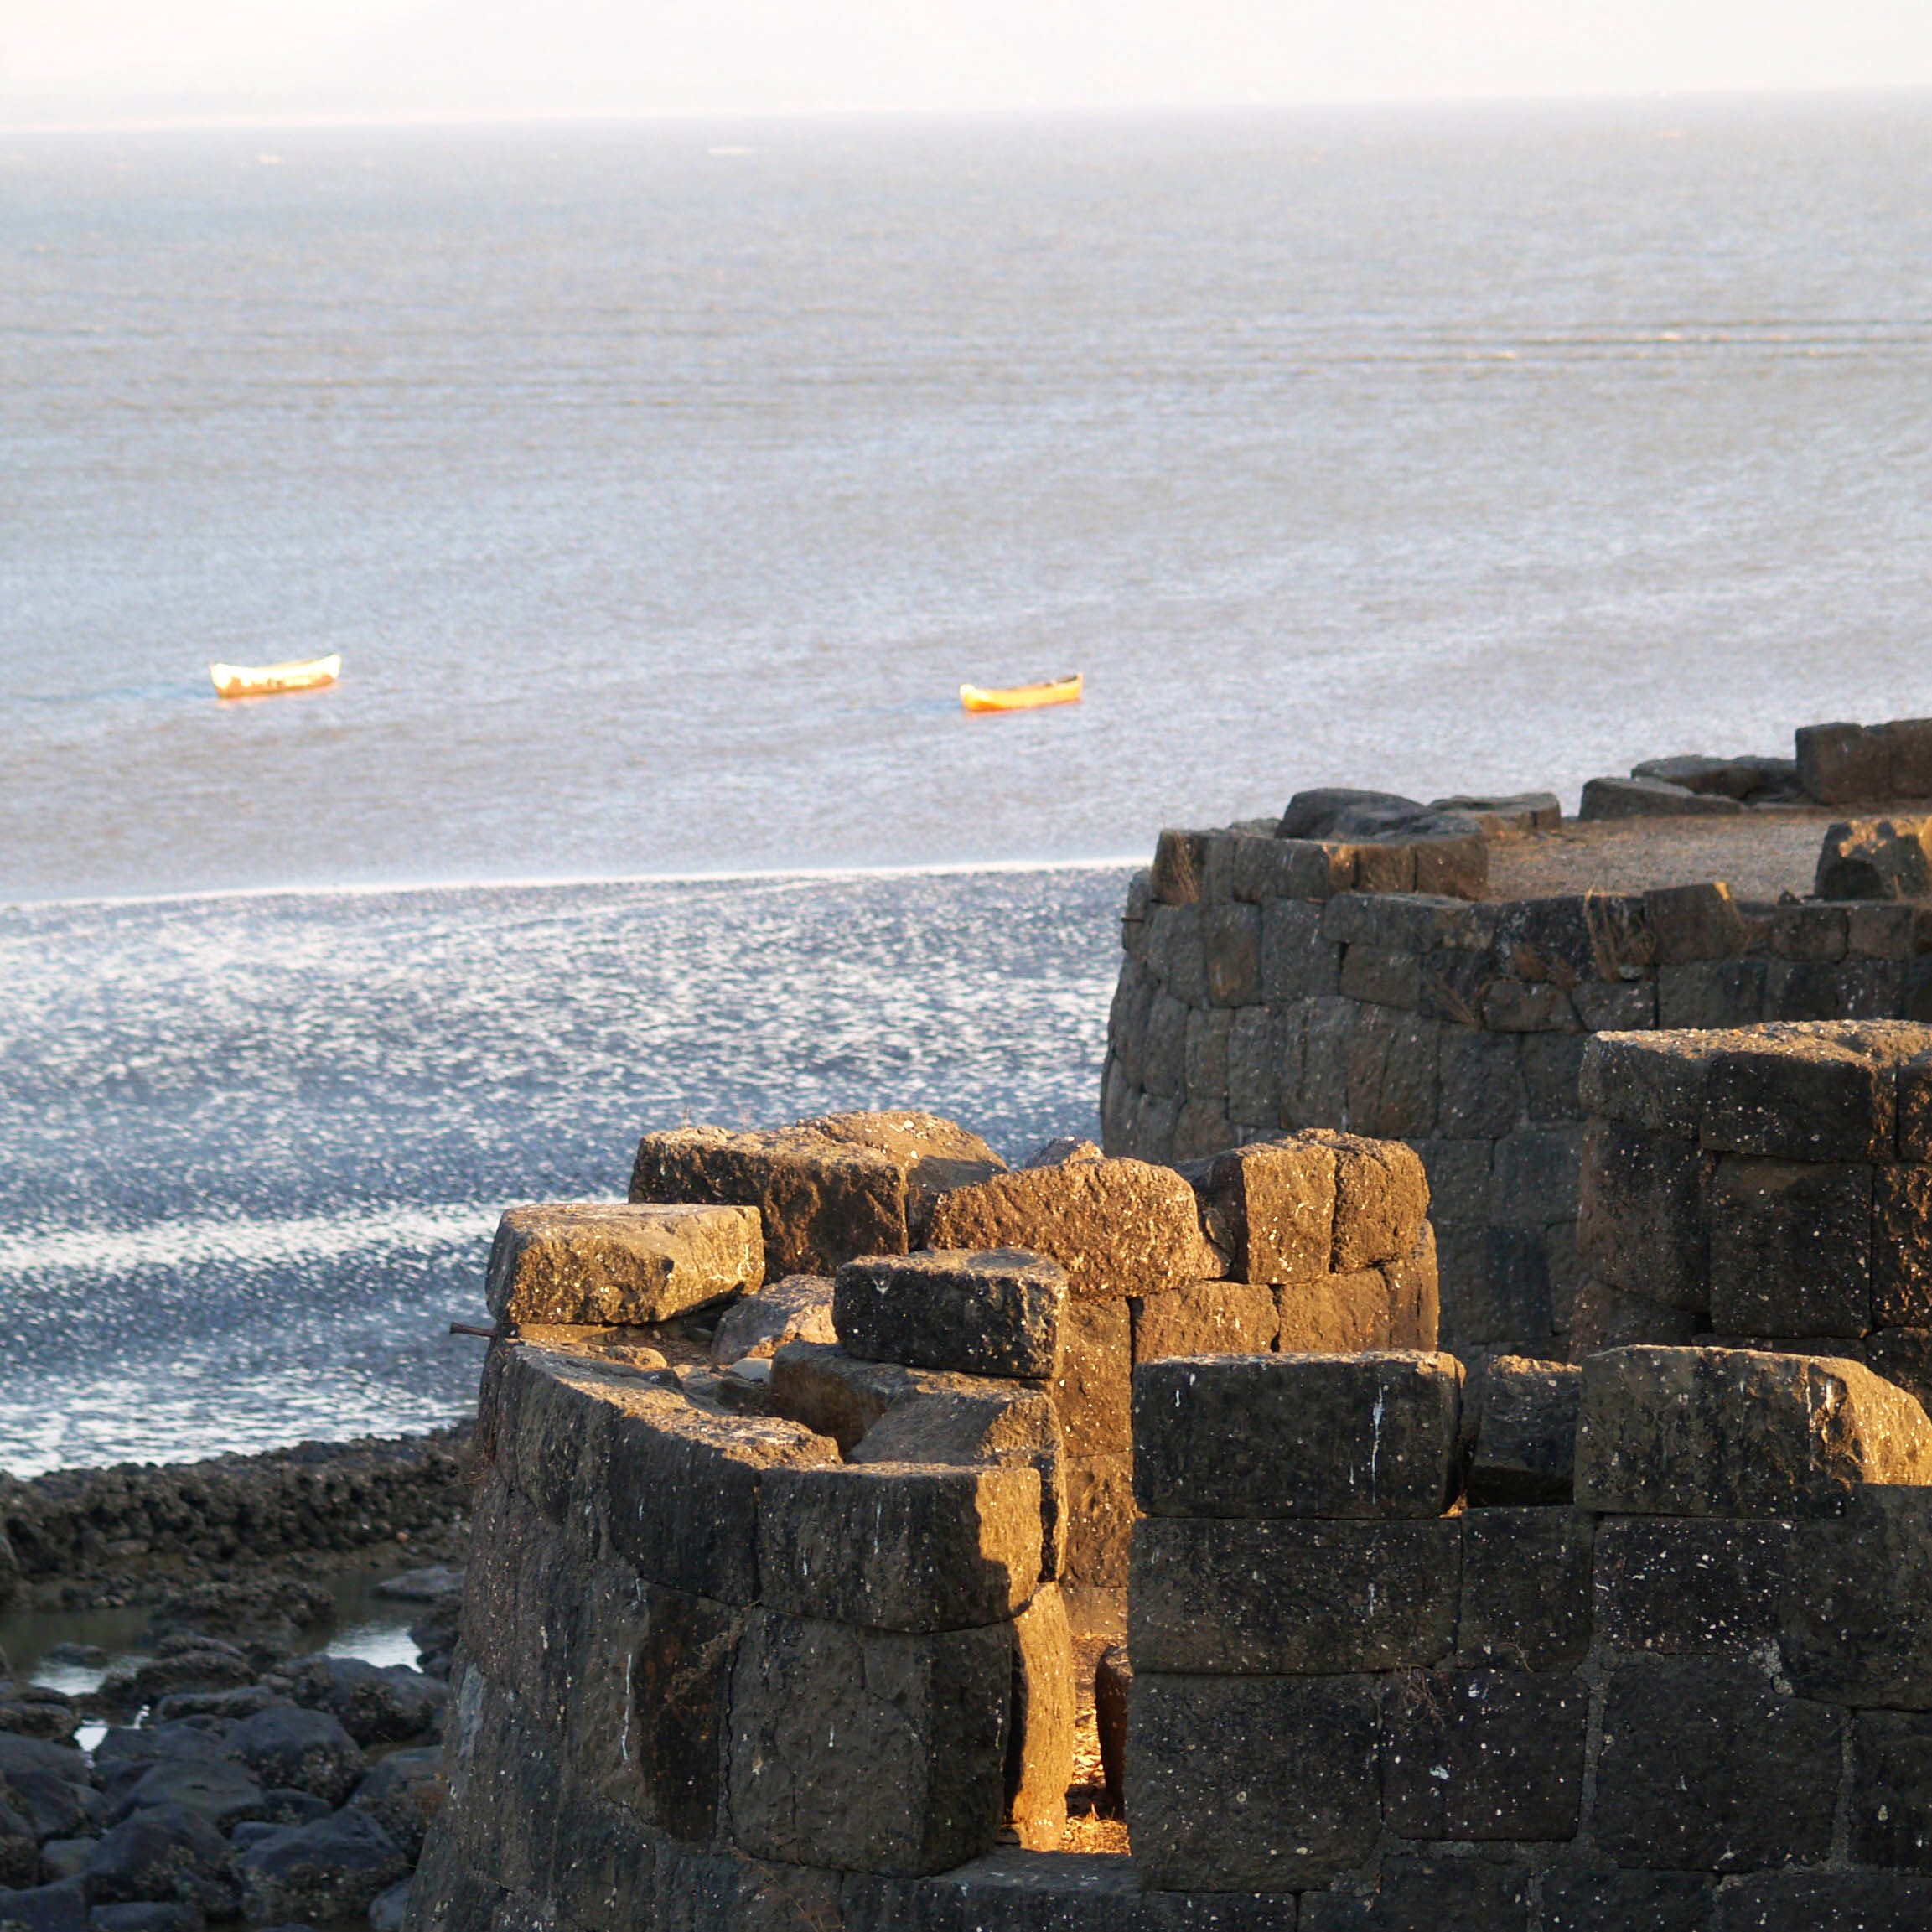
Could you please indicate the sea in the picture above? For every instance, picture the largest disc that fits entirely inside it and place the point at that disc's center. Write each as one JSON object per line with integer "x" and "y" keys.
{"x": 659, "y": 483}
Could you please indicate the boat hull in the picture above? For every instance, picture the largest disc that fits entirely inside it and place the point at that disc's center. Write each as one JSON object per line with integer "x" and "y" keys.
{"x": 1022, "y": 696}
{"x": 267, "y": 679}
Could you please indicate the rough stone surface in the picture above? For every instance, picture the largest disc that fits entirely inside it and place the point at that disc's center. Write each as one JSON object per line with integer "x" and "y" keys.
{"x": 596, "y": 1261}
{"x": 1642, "y": 1222}
{"x": 1267, "y": 1436}
{"x": 980, "y": 1313}
{"x": 1703, "y": 1587}
{"x": 1100, "y": 1520}
{"x": 1882, "y": 858}
{"x": 325, "y": 1871}
{"x": 796, "y": 1309}
{"x": 1040, "y": 1742}
{"x": 1649, "y": 797}
{"x": 1093, "y": 1379}
{"x": 1341, "y": 1315}
{"x": 402, "y": 1793}
{"x": 1271, "y": 1207}
{"x": 1214, "y": 1319}
{"x": 1525, "y": 1432}
{"x": 1791, "y": 1246}
{"x": 165, "y": 1852}
{"x": 1118, "y": 1227}
{"x": 299, "y": 1750}
{"x": 1852, "y": 1622}
{"x": 1427, "y": 1895}
{"x": 1381, "y": 1199}
{"x": 1292, "y": 1599}
{"x": 1740, "y": 1432}
{"x": 376, "y": 1704}
{"x": 1526, "y": 1588}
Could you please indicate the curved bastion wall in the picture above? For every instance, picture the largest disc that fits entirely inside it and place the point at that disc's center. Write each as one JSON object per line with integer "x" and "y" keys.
{"x": 1432, "y": 973}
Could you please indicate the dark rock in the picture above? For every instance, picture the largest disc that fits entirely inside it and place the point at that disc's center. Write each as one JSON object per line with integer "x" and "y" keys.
{"x": 61, "y": 1907}
{"x": 33, "y": 1710}
{"x": 229, "y": 1706}
{"x": 1427, "y": 1895}
{"x": 1604, "y": 1317}
{"x": 1892, "y": 1788}
{"x": 1667, "y": 1584}
{"x": 434, "y": 1584}
{"x": 1875, "y": 858}
{"x": 1585, "y": 1901}
{"x": 1270, "y": 1206}
{"x": 1790, "y": 1248}
{"x": 62, "y": 1858}
{"x": 309, "y": 1750}
{"x": 1526, "y": 1590}
{"x": 1475, "y": 1754}
{"x": 798, "y": 1308}
{"x": 389, "y": 1911}
{"x": 1706, "y": 1766}
{"x": 1267, "y": 1436}
{"x": 330, "y": 1870}
{"x": 182, "y": 1662}
{"x": 1738, "y": 778}
{"x": 1113, "y": 1683}
{"x": 1317, "y": 814}
{"x": 222, "y": 1794}
{"x": 263, "y": 1615}
{"x": 376, "y": 1704}
{"x": 1650, "y": 797}
{"x": 125, "y": 1755}
{"x": 1525, "y": 1432}
{"x": 165, "y": 1852}
{"x": 52, "y": 1806}
{"x": 1827, "y": 1902}
{"x": 402, "y": 1793}
{"x": 1251, "y": 1783}
{"x": 1093, "y": 1378}
{"x": 1852, "y": 1626}
{"x": 283, "y": 1805}
{"x": 1642, "y": 1222}
{"x": 1803, "y": 1092}
{"x": 1061, "y": 1149}
{"x": 1336, "y": 1314}
{"x": 681, "y": 1686}
{"x": 1901, "y": 1247}
{"x": 1507, "y": 812}
{"x": 978, "y": 1314}
{"x": 146, "y": 1916}
{"x": 1256, "y": 1599}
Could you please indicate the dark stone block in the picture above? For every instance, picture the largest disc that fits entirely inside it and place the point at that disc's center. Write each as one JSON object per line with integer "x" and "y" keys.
{"x": 1291, "y": 1598}
{"x": 994, "y": 1314}
{"x": 1706, "y": 1766}
{"x": 1232, "y": 937}
{"x": 1251, "y": 1783}
{"x": 1675, "y": 1583}
{"x": 1641, "y": 1222}
{"x": 1526, "y": 1597}
{"x": 1651, "y": 1080}
{"x": 1475, "y": 1754}
{"x": 1269, "y": 1435}
{"x": 1797, "y": 1095}
{"x": 1828, "y": 1902}
{"x": 1551, "y": 1063}
{"x": 1853, "y": 1627}
{"x": 1790, "y": 1248}
{"x": 1902, "y": 1247}
{"x": 1838, "y": 763}
{"x": 1693, "y": 922}
{"x": 1712, "y": 993}
{"x": 1482, "y": 1094}
{"x": 1525, "y": 1432}
{"x": 1626, "y": 1901}
{"x": 1100, "y": 1520}
{"x": 1892, "y": 1788}
{"x": 1904, "y": 1356}
{"x": 1536, "y": 1175}
{"x": 1603, "y": 1316}
{"x": 1427, "y": 1895}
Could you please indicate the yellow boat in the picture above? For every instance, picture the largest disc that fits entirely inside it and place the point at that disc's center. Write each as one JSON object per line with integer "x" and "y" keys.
{"x": 262, "y": 680}
{"x": 1022, "y": 696}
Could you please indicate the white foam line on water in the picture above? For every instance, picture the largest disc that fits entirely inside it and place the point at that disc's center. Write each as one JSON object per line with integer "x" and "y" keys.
{"x": 771, "y": 875}
{"x": 189, "y": 1243}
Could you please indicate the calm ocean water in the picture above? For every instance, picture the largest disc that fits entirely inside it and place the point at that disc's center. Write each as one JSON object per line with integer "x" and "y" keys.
{"x": 659, "y": 484}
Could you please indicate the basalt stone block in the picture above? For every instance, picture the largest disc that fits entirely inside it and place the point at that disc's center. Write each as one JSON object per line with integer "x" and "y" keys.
{"x": 1381, "y": 1199}
{"x": 1649, "y": 797}
{"x": 1852, "y": 1626}
{"x": 1672, "y": 1584}
{"x": 797, "y": 1309}
{"x": 1291, "y": 1598}
{"x": 1113, "y": 1685}
{"x": 1598, "y": 1901}
{"x": 1335, "y": 1314}
{"x": 1904, "y": 1356}
{"x": 584, "y": 1263}
{"x": 1040, "y": 1742}
{"x": 1180, "y": 867}
{"x": 899, "y": 1547}
{"x": 1827, "y": 1902}
{"x": 1118, "y": 1227}
{"x": 1641, "y": 1223}
{"x": 1215, "y": 1318}
{"x": 1298, "y": 961}
{"x": 1738, "y": 1432}
{"x": 1693, "y": 922}
{"x": 1251, "y": 1783}
{"x": 720, "y": 1890}
{"x": 1790, "y": 1248}
{"x": 1232, "y": 937}
{"x": 1603, "y": 1316}
{"x": 995, "y": 1314}
{"x": 1713, "y": 993}
{"x": 1481, "y": 1754}
{"x": 1525, "y": 1599}
{"x": 1021, "y": 1890}
{"x": 1267, "y": 1436}
{"x": 1654, "y": 1081}
{"x": 1415, "y": 1295}
{"x": 868, "y": 1750}
{"x": 1271, "y": 1207}
{"x": 1334, "y": 810}
{"x": 1093, "y": 1378}
{"x": 1902, "y": 1247}
{"x": 1708, "y": 1766}
{"x": 1427, "y": 1895}
{"x": 1100, "y": 1520}
{"x": 1525, "y": 1432}
{"x": 1838, "y": 763}
{"x": 1801, "y": 1092}
{"x": 1892, "y": 1788}
{"x": 679, "y": 1691}
{"x": 827, "y": 1189}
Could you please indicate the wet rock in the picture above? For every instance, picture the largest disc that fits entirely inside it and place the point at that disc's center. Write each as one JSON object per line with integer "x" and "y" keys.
{"x": 332, "y": 1869}
{"x": 33, "y": 1710}
{"x": 376, "y": 1704}
{"x": 402, "y": 1793}
{"x": 263, "y": 1616}
{"x": 432, "y": 1584}
{"x": 60, "y": 1907}
{"x": 283, "y": 1805}
{"x": 19, "y": 1850}
{"x": 63, "y": 1858}
{"x": 307, "y": 1750}
{"x": 388, "y": 1910}
{"x": 228, "y": 1705}
{"x": 222, "y": 1793}
{"x": 166, "y": 1852}
{"x": 125, "y": 1755}
{"x": 796, "y": 1309}
{"x": 182, "y": 1662}
{"x": 52, "y": 1806}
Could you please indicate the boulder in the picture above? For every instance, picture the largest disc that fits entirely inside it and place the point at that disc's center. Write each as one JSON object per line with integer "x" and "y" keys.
{"x": 583, "y": 1263}
{"x": 796, "y": 1309}
{"x": 987, "y": 1313}
{"x": 230, "y": 1707}
{"x": 186, "y": 1661}
{"x": 307, "y": 1750}
{"x": 389, "y": 1911}
{"x": 1650, "y": 797}
{"x": 1062, "y": 1150}
{"x": 1326, "y": 811}
{"x": 827, "y": 1189}
{"x": 125, "y": 1754}
{"x": 1882, "y": 858}
{"x": 330, "y": 1870}
{"x": 164, "y": 1852}
{"x": 60, "y": 1907}
{"x": 1748, "y": 779}
{"x": 222, "y": 1793}
{"x": 50, "y": 1806}
{"x": 1118, "y": 1227}
{"x": 1507, "y": 812}
{"x": 33, "y": 1710}
{"x": 376, "y": 1704}
{"x": 402, "y": 1793}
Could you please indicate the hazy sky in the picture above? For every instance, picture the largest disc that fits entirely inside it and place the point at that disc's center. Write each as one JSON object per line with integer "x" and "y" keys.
{"x": 675, "y": 56}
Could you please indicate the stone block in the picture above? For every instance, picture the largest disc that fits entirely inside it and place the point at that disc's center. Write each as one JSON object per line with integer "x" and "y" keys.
{"x": 1180, "y": 867}
{"x": 1693, "y": 922}
{"x": 1512, "y": 1006}
{"x": 1483, "y": 1754}
{"x": 1826, "y": 1901}
{"x": 1040, "y": 1740}
{"x": 1458, "y": 1175}
{"x": 1801, "y": 990}
{"x": 1641, "y": 1222}
{"x": 1270, "y": 1207}
{"x": 900, "y": 1545}
{"x": 1669, "y": 1584}
{"x": 1296, "y": 1435}
{"x": 1391, "y": 1070}
{"x": 1526, "y": 1588}
{"x": 1254, "y": 1065}
{"x": 1909, "y": 756}
{"x": 1790, "y": 1247}
{"x": 1798, "y": 1093}
{"x": 680, "y": 1694}
{"x": 1232, "y": 935}
{"x": 1566, "y": 1274}
{"x": 1298, "y": 962}
{"x": 868, "y": 1750}
{"x": 1202, "y": 1128}
{"x": 1536, "y": 1176}
{"x": 1904, "y": 1356}
{"x": 1454, "y": 1894}
{"x": 1451, "y": 867}
{"x": 1551, "y": 1063}
{"x": 1616, "y": 1006}
{"x": 1291, "y": 1598}
{"x": 1178, "y": 953}
{"x": 1902, "y": 1247}
{"x": 1113, "y": 1685}
{"x": 1838, "y": 763}
{"x": 1251, "y": 1783}
{"x": 1708, "y": 1766}
{"x": 1385, "y": 866}
{"x": 1216, "y": 1319}
{"x": 1740, "y": 1432}
{"x": 1336, "y": 1314}
{"x": 797, "y": 1309}
{"x": 1525, "y": 1432}
{"x": 1093, "y": 1380}
{"x": 1379, "y": 975}
{"x": 589, "y": 1262}
{"x": 1604, "y": 1317}
{"x": 1381, "y": 1199}
{"x": 1482, "y": 1094}
{"x": 994, "y": 1313}
{"x": 1892, "y": 1788}
{"x": 827, "y": 1189}
{"x": 1500, "y": 1295}
{"x": 1650, "y": 797}
{"x": 1597, "y": 1901}
{"x": 1204, "y": 1055}
{"x": 1815, "y": 933}
{"x": 1100, "y": 1520}
{"x": 1118, "y": 1227}
{"x": 1415, "y": 1295}
{"x": 1163, "y": 1053}
{"x": 1852, "y": 1626}
{"x": 1652, "y": 1080}
{"x": 1712, "y": 993}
